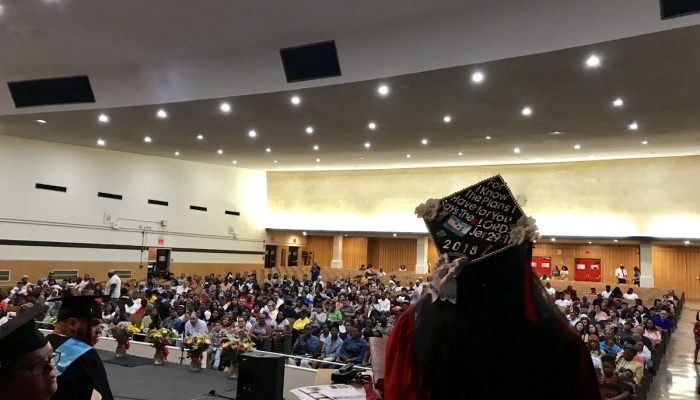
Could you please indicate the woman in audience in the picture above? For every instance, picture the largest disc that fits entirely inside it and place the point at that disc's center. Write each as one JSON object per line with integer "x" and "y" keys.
{"x": 594, "y": 347}
{"x": 259, "y": 332}
{"x": 651, "y": 332}
{"x": 580, "y": 331}
{"x": 150, "y": 321}
{"x": 616, "y": 293}
{"x": 637, "y": 276}
{"x": 108, "y": 313}
{"x": 240, "y": 330}
{"x": 609, "y": 346}
{"x": 564, "y": 273}
{"x": 611, "y": 386}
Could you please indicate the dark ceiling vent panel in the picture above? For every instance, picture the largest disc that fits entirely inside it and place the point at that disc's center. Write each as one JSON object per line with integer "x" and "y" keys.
{"x": 311, "y": 61}
{"x": 678, "y": 8}
{"x": 45, "y": 92}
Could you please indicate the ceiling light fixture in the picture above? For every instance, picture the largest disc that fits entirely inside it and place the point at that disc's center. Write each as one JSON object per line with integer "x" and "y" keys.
{"x": 618, "y": 102}
{"x": 309, "y": 130}
{"x": 372, "y": 125}
{"x": 553, "y": 239}
{"x": 645, "y": 142}
{"x": 686, "y": 242}
{"x": 368, "y": 145}
{"x": 633, "y": 126}
{"x": 526, "y": 111}
{"x": 267, "y": 150}
{"x": 318, "y": 160}
{"x": 252, "y": 133}
{"x": 220, "y": 151}
{"x": 41, "y": 121}
{"x": 590, "y": 242}
{"x": 161, "y": 114}
{"x": 147, "y": 139}
{"x": 408, "y": 156}
{"x": 200, "y": 137}
{"x": 555, "y": 133}
{"x": 101, "y": 142}
{"x": 304, "y": 233}
{"x": 234, "y": 162}
{"x": 177, "y": 154}
{"x": 394, "y": 235}
{"x": 478, "y": 77}
{"x": 315, "y": 147}
{"x": 488, "y": 138}
{"x": 103, "y": 118}
{"x": 593, "y": 61}
{"x": 225, "y": 107}
{"x": 424, "y": 141}
{"x": 577, "y": 147}
{"x": 275, "y": 161}
{"x": 460, "y": 154}
{"x": 296, "y": 100}
{"x": 516, "y": 150}
{"x": 383, "y": 90}
{"x": 447, "y": 119}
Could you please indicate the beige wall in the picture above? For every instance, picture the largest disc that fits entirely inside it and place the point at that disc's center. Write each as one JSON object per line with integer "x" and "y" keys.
{"x": 640, "y": 197}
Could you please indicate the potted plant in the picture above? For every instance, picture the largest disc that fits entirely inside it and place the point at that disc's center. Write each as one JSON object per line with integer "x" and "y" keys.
{"x": 122, "y": 333}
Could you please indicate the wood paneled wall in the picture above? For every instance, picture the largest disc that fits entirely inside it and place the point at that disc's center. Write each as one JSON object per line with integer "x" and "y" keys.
{"x": 433, "y": 255}
{"x": 322, "y": 247}
{"x": 390, "y": 253}
{"x": 610, "y": 256}
{"x": 677, "y": 267}
{"x": 354, "y": 251}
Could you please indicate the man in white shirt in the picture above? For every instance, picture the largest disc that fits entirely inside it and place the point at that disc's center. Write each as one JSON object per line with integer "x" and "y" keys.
{"x": 606, "y": 293}
{"x": 630, "y": 295}
{"x": 384, "y": 304}
{"x": 114, "y": 285}
{"x": 549, "y": 289}
{"x": 621, "y": 274}
{"x": 562, "y": 302}
{"x": 195, "y": 325}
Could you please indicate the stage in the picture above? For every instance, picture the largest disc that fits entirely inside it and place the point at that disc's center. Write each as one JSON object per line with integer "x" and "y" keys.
{"x": 165, "y": 382}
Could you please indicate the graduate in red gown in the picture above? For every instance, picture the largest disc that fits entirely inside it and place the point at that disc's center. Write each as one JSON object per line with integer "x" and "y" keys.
{"x": 486, "y": 330}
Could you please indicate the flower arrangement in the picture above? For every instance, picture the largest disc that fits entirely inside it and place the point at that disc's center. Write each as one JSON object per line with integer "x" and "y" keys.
{"x": 122, "y": 332}
{"x": 197, "y": 344}
{"x": 160, "y": 338}
{"x": 428, "y": 210}
{"x": 237, "y": 345}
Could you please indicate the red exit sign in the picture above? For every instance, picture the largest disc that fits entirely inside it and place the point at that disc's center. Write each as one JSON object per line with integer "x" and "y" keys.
{"x": 587, "y": 252}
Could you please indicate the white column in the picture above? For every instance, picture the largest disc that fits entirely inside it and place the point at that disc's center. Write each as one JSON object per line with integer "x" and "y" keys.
{"x": 422, "y": 255}
{"x": 647, "y": 270}
{"x": 337, "y": 261}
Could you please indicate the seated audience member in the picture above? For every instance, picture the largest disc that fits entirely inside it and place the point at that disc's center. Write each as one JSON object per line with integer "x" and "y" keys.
{"x": 259, "y": 332}
{"x": 608, "y": 346}
{"x": 549, "y": 289}
{"x": 150, "y": 321}
{"x": 402, "y": 267}
{"x": 626, "y": 361}
{"x": 561, "y": 301}
{"x": 301, "y": 322}
{"x": 334, "y": 315}
{"x": 353, "y": 348}
{"x": 606, "y": 293}
{"x": 195, "y": 325}
{"x": 662, "y": 322}
{"x": 630, "y": 295}
{"x": 596, "y": 352}
{"x": 306, "y": 344}
{"x": 611, "y": 386}
{"x": 555, "y": 272}
{"x": 564, "y": 273}
{"x": 616, "y": 293}
{"x": 331, "y": 347}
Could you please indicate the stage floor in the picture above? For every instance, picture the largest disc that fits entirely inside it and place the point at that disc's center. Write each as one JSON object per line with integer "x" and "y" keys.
{"x": 168, "y": 382}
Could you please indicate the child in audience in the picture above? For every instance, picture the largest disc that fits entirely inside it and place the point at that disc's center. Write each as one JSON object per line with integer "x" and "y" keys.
{"x": 611, "y": 386}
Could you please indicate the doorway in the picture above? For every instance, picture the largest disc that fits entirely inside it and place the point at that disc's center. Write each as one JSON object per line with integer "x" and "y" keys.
{"x": 293, "y": 256}
{"x": 270, "y": 256}
{"x": 587, "y": 269}
{"x": 542, "y": 266}
{"x": 162, "y": 264}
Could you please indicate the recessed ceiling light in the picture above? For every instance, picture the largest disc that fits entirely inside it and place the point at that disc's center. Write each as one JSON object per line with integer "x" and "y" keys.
{"x": 220, "y": 151}
{"x": 577, "y": 146}
{"x": 460, "y": 154}
{"x": 318, "y": 160}
{"x": 555, "y": 133}
{"x": 618, "y": 102}
{"x": 362, "y": 158}
{"x": 645, "y": 142}
{"x": 615, "y": 240}
{"x": 296, "y": 100}
{"x": 424, "y": 141}
{"x": 275, "y": 161}
{"x": 526, "y": 111}
{"x": 516, "y": 150}
{"x": 553, "y": 239}
{"x": 383, "y": 90}
{"x": 368, "y": 145}
{"x": 104, "y": 118}
{"x": 590, "y": 242}
{"x": 478, "y": 77}
{"x": 41, "y": 121}
{"x": 408, "y": 156}
{"x": 488, "y": 138}
{"x": 633, "y": 126}
{"x": 267, "y": 150}
{"x": 309, "y": 129}
{"x": 447, "y": 119}
{"x": 177, "y": 153}
{"x": 101, "y": 142}
{"x": 593, "y": 61}
{"x": 147, "y": 139}
{"x": 225, "y": 107}
{"x": 252, "y": 133}
{"x": 394, "y": 235}
{"x": 315, "y": 147}
{"x": 372, "y": 126}
{"x": 686, "y": 242}
{"x": 234, "y": 162}
{"x": 161, "y": 114}
{"x": 200, "y": 137}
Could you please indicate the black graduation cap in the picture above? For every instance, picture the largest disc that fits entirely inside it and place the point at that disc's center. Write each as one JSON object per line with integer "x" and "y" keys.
{"x": 475, "y": 222}
{"x": 78, "y": 307}
{"x": 19, "y": 336}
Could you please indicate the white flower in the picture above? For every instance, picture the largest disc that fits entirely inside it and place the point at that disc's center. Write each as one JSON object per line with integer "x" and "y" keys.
{"x": 444, "y": 283}
{"x": 428, "y": 210}
{"x": 524, "y": 230}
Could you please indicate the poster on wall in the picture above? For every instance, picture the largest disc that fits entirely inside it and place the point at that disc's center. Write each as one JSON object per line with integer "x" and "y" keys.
{"x": 474, "y": 222}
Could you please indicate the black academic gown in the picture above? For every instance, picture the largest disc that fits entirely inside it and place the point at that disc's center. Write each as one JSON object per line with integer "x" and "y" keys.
{"x": 82, "y": 377}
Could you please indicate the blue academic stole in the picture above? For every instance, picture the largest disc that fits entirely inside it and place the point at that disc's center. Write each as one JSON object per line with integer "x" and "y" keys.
{"x": 70, "y": 351}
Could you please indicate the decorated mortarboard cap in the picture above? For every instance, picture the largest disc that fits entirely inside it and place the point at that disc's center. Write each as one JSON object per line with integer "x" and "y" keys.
{"x": 19, "y": 336}
{"x": 78, "y": 307}
{"x": 470, "y": 225}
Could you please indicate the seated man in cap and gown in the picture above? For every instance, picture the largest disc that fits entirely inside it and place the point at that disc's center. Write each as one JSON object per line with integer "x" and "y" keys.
{"x": 27, "y": 359}
{"x": 81, "y": 374}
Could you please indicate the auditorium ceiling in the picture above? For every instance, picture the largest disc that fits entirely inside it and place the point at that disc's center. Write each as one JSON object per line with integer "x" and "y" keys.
{"x": 636, "y": 97}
